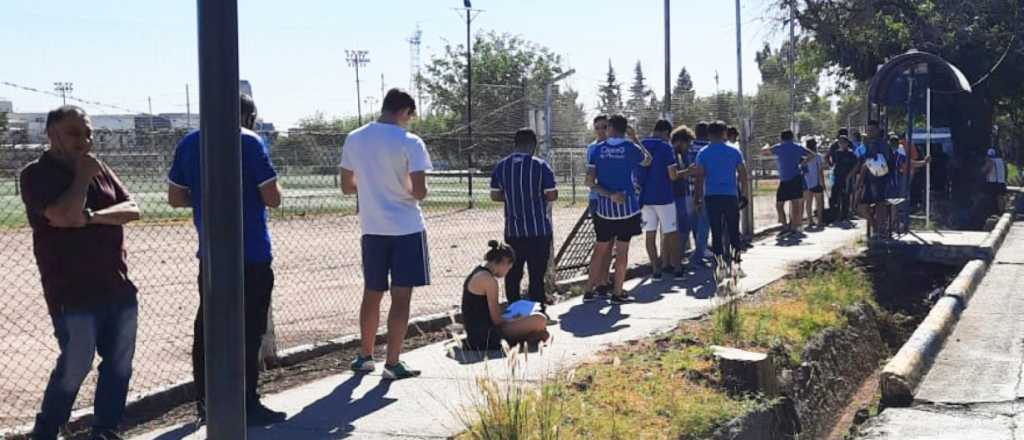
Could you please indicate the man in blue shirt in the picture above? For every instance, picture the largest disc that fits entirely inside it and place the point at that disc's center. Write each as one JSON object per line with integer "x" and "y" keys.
{"x": 260, "y": 189}
{"x": 658, "y": 205}
{"x": 698, "y": 216}
{"x": 611, "y": 168}
{"x": 600, "y": 135}
{"x": 526, "y": 184}
{"x": 789, "y": 156}
{"x": 721, "y": 168}
{"x": 681, "y": 139}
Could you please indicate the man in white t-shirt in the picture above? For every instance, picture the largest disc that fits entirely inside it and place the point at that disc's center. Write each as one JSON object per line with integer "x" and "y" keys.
{"x": 386, "y": 166}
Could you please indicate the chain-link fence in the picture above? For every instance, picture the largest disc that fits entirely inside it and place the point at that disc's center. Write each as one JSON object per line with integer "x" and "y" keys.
{"x": 315, "y": 234}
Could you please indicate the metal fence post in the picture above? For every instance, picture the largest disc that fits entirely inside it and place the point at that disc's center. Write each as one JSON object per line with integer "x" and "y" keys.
{"x": 221, "y": 235}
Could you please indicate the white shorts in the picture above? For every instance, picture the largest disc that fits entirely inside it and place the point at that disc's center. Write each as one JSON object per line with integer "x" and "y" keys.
{"x": 654, "y": 215}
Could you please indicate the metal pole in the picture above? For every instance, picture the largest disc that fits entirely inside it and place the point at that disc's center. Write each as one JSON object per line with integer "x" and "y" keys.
{"x": 359, "y": 98}
{"x": 928, "y": 165}
{"x": 547, "y": 121}
{"x": 792, "y": 66}
{"x": 221, "y": 235}
{"x": 469, "y": 101}
{"x": 188, "y": 108}
{"x": 748, "y": 214}
{"x": 667, "y": 104}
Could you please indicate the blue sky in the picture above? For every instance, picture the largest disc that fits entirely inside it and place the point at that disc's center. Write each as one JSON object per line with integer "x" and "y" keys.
{"x": 122, "y": 51}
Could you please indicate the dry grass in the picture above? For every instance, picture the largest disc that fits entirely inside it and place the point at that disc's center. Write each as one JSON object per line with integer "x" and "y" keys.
{"x": 669, "y": 387}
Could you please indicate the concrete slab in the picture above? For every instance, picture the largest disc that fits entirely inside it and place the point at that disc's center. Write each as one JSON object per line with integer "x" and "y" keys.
{"x": 913, "y": 424}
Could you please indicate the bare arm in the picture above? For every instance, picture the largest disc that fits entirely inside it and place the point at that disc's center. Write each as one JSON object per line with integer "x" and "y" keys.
{"x": 698, "y": 186}
{"x": 592, "y": 184}
{"x": 550, "y": 195}
{"x": 118, "y": 214}
{"x": 673, "y": 172}
{"x": 419, "y": 185}
{"x": 348, "y": 181}
{"x": 491, "y": 289}
{"x": 270, "y": 192}
{"x": 178, "y": 197}
{"x": 497, "y": 195}
{"x": 741, "y": 173}
{"x": 67, "y": 211}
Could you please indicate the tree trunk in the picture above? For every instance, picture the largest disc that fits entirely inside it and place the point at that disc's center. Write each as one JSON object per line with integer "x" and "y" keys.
{"x": 745, "y": 372}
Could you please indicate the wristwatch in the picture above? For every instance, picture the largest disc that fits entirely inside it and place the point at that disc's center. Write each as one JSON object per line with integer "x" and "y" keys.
{"x": 88, "y": 215}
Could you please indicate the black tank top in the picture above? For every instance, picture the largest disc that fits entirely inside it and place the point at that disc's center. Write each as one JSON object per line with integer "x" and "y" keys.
{"x": 476, "y": 315}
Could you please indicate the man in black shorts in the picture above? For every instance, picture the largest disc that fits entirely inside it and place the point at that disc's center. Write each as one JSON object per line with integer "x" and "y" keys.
{"x": 789, "y": 155}
{"x": 610, "y": 173}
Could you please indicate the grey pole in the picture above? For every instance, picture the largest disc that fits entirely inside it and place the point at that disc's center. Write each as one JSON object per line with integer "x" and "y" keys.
{"x": 547, "y": 111}
{"x": 668, "y": 67}
{"x": 469, "y": 99}
{"x": 792, "y": 66}
{"x": 748, "y": 214}
{"x": 221, "y": 235}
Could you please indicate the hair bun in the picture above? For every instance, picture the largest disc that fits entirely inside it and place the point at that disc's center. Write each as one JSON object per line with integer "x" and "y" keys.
{"x": 493, "y": 244}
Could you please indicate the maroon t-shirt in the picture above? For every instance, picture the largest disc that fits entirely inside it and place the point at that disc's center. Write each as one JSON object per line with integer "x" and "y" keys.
{"x": 80, "y": 267}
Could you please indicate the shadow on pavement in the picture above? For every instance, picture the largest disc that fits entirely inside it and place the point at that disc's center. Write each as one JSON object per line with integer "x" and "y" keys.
{"x": 333, "y": 414}
{"x": 585, "y": 319}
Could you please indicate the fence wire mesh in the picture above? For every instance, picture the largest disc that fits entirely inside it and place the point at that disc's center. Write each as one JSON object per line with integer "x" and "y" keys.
{"x": 315, "y": 234}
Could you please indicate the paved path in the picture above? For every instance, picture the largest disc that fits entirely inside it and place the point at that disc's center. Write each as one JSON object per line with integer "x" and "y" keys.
{"x": 365, "y": 407}
{"x": 973, "y": 389}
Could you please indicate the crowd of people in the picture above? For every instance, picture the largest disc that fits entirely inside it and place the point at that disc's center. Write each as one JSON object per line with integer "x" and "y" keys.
{"x": 674, "y": 186}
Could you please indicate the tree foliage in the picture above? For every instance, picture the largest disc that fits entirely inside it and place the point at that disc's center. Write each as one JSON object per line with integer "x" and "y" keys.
{"x": 610, "y": 93}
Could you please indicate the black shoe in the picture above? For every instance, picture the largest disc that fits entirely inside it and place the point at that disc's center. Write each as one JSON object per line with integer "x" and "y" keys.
{"x": 258, "y": 414}
{"x": 680, "y": 274}
{"x": 621, "y": 299}
{"x": 603, "y": 289}
{"x": 589, "y": 296}
{"x": 656, "y": 275}
{"x": 105, "y": 435}
{"x": 200, "y": 414}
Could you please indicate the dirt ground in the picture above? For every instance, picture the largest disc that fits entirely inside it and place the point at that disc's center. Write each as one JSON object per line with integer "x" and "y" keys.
{"x": 317, "y": 293}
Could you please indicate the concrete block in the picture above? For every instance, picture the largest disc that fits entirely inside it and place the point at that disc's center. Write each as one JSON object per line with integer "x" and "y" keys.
{"x": 966, "y": 282}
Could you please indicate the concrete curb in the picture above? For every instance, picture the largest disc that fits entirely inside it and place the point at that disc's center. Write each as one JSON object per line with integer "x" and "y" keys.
{"x": 904, "y": 372}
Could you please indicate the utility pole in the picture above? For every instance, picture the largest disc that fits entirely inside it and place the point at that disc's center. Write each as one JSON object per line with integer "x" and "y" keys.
{"x": 748, "y": 214}
{"x": 188, "y": 109}
{"x": 668, "y": 67}
{"x": 357, "y": 58}
{"x": 152, "y": 129}
{"x": 221, "y": 235}
{"x": 792, "y": 66}
{"x": 548, "y": 124}
{"x": 470, "y": 15}
{"x": 64, "y": 88}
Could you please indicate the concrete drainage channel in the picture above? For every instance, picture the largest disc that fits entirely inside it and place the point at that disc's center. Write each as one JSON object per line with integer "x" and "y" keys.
{"x": 836, "y": 362}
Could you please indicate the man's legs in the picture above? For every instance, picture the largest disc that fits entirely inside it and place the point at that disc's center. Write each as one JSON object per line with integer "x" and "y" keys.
{"x": 259, "y": 285}
{"x": 514, "y": 278}
{"x": 651, "y": 240}
{"x": 115, "y": 343}
{"x": 537, "y": 258}
{"x": 796, "y": 216}
{"x": 198, "y": 352}
{"x": 76, "y": 338}
{"x": 808, "y": 202}
{"x": 398, "y": 322}
{"x": 716, "y": 216}
{"x": 780, "y": 210}
{"x": 369, "y": 320}
{"x": 598, "y": 277}
{"x": 819, "y": 200}
{"x": 621, "y": 264}
{"x": 683, "y": 220}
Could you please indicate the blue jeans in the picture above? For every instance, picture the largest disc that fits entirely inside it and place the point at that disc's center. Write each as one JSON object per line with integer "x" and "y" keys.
{"x": 108, "y": 330}
{"x": 699, "y": 226}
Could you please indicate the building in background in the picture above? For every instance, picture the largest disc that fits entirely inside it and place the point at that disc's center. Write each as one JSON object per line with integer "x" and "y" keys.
{"x": 6, "y": 106}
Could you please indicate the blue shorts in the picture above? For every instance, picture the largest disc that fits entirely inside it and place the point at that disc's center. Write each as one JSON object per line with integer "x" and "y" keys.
{"x": 404, "y": 257}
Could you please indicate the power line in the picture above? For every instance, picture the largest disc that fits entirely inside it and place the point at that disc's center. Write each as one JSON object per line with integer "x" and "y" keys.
{"x": 69, "y": 97}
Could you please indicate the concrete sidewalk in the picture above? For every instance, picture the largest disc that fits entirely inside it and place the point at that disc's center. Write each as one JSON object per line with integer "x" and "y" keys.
{"x": 367, "y": 407}
{"x": 974, "y": 388}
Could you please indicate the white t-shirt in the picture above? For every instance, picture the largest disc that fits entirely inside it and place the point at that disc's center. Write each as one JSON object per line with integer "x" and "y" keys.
{"x": 813, "y": 172}
{"x": 381, "y": 156}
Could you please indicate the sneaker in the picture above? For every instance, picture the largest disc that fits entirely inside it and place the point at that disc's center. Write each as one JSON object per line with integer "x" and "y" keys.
{"x": 621, "y": 299}
{"x": 399, "y": 371}
{"x": 603, "y": 289}
{"x": 258, "y": 414}
{"x": 680, "y": 274}
{"x": 362, "y": 364}
{"x": 589, "y": 296}
{"x": 656, "y": 275}
{"x": 106, "y": 435}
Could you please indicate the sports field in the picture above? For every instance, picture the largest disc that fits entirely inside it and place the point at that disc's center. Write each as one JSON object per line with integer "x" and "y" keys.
{"x": 317, "y": 266}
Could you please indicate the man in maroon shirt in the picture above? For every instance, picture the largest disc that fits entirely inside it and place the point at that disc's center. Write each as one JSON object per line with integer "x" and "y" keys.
{"x": 76, "y": 207}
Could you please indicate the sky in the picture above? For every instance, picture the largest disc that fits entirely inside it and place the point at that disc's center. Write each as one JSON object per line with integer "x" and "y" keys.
{"x": 128, "y": 52}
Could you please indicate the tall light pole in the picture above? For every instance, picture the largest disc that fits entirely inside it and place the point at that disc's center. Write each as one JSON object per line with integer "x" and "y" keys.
{"x": 64, "y": 88}
{"x": 548, "y": 124}
{"x": 668, "y": 67}
{"x": 748, "y": 214}
{"x": 358, "y": 58}
{"x": 792, "y": 66}
{"x": 470, "y": 15}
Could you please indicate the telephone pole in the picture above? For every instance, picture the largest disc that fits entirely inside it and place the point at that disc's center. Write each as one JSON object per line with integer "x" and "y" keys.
{"x": 470, "y": 15}
{"x": 188, "y": 109}
{"x": 358, "y": 58}
{"x": 668, "y": 67}
{"x": 64, "y": 88}
{"x": 792, "y": 66}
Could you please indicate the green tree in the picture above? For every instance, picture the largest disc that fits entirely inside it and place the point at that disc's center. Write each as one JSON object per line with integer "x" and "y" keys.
{"x": 639, "y": 93}
{"x": 610, "y": 93}
{"x": 502, "y": 64}
{"x": 683, "y": 99}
